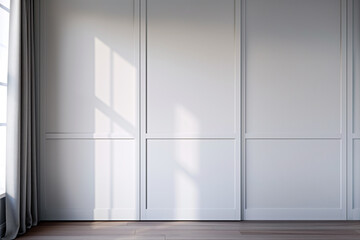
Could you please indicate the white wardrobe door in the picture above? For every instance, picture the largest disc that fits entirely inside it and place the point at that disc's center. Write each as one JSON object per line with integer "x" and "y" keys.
{"x": 294, "y": 112}
{"x": 191, "y": 130}
{"x": 89, "y": 86}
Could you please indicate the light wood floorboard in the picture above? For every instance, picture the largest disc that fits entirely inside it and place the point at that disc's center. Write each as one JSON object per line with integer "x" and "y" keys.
{"x": 245, "y": 230}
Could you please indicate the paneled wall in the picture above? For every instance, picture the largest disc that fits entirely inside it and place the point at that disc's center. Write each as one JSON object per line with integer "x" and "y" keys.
{"x": 354, "y": 111}
{"x": 190, "y": 141}
{"x": 294, "y": 109}
{"x": 90, "y": 110}
{"x": 200, "y": 109}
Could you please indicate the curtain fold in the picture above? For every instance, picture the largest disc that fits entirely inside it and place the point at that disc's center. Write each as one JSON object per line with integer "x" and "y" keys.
{"x": 21, "y": 159}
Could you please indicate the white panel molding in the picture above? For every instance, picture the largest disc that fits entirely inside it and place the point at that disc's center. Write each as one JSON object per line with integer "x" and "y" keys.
{"x": 42, "y": 99}
{"x": 66, "y": 157}
{"x": 290, "y": 136}
{"x": 168, "y": 214}
{"x": 46, "y": 136}
{"x": 190, "y": 136}
{"x": 49, "y": 136}
{"x": 145, "y": 136}
{"x": 344, "y": 105}
{"x": 242, "y": 105}
{"x": 351, "y": 212}
{"x": 100, "y": 213}
{"x": 156, "y": 211}
{"x": 346, "y": 135}
{"x": 303, "y": 151}
{"x": 352, "y": 29}
{"x": 295, "y": 213}
{"x": 238, "y": 108}
{"x": 143, "y": 114}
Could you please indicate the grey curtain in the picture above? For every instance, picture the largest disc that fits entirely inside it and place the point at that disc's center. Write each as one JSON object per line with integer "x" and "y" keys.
{"x": 21, "y": 159}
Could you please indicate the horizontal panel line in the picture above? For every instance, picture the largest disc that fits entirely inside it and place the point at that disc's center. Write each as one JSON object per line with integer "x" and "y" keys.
{"x": 292, "y": 209}
{"x": 190, "y": 138}
{"x": 153, "y": 136}
{"x": 292, "y": 138}
{"x": 258, "y": 136}
{"x": 198, "y": 209}
{"x": 355, "y": 136}
{"x": 86, "y": 136}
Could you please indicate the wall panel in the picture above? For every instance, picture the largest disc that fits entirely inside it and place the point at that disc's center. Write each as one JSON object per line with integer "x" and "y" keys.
{"x": 190, "y": 55}
{"x": 353, "y": 110}
{"x": 89, "y": 96}
{"x": 191, "y": 104}
{"x": 245, "y": 104}
{"x": 285, "y": 174}
{"x": 355, "y": 38}
{"x": 294, "y": 100}
{"x": 183, "y": 175}
{"x": 297, "y": 56}
{"x": 90, "y": 179}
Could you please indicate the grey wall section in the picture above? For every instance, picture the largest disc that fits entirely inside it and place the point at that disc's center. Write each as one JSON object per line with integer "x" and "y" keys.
{"x": 2, "y": 216}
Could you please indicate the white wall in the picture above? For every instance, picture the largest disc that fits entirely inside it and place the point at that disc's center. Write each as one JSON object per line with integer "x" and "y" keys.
{"x": 199, "y": 109}
{"x": 354, "y": 112}
{"x": 294, "y": 109}
{"x": 191, "y": 130}
{"x": 90, "y": 110}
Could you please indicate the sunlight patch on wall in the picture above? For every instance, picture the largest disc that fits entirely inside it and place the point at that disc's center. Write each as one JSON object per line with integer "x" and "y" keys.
{"x": 115, "y": 92}
{"x": 187, "y": 158}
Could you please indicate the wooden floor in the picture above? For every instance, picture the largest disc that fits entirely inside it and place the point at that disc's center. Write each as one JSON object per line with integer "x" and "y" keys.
{"x": 252, "y": 230}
